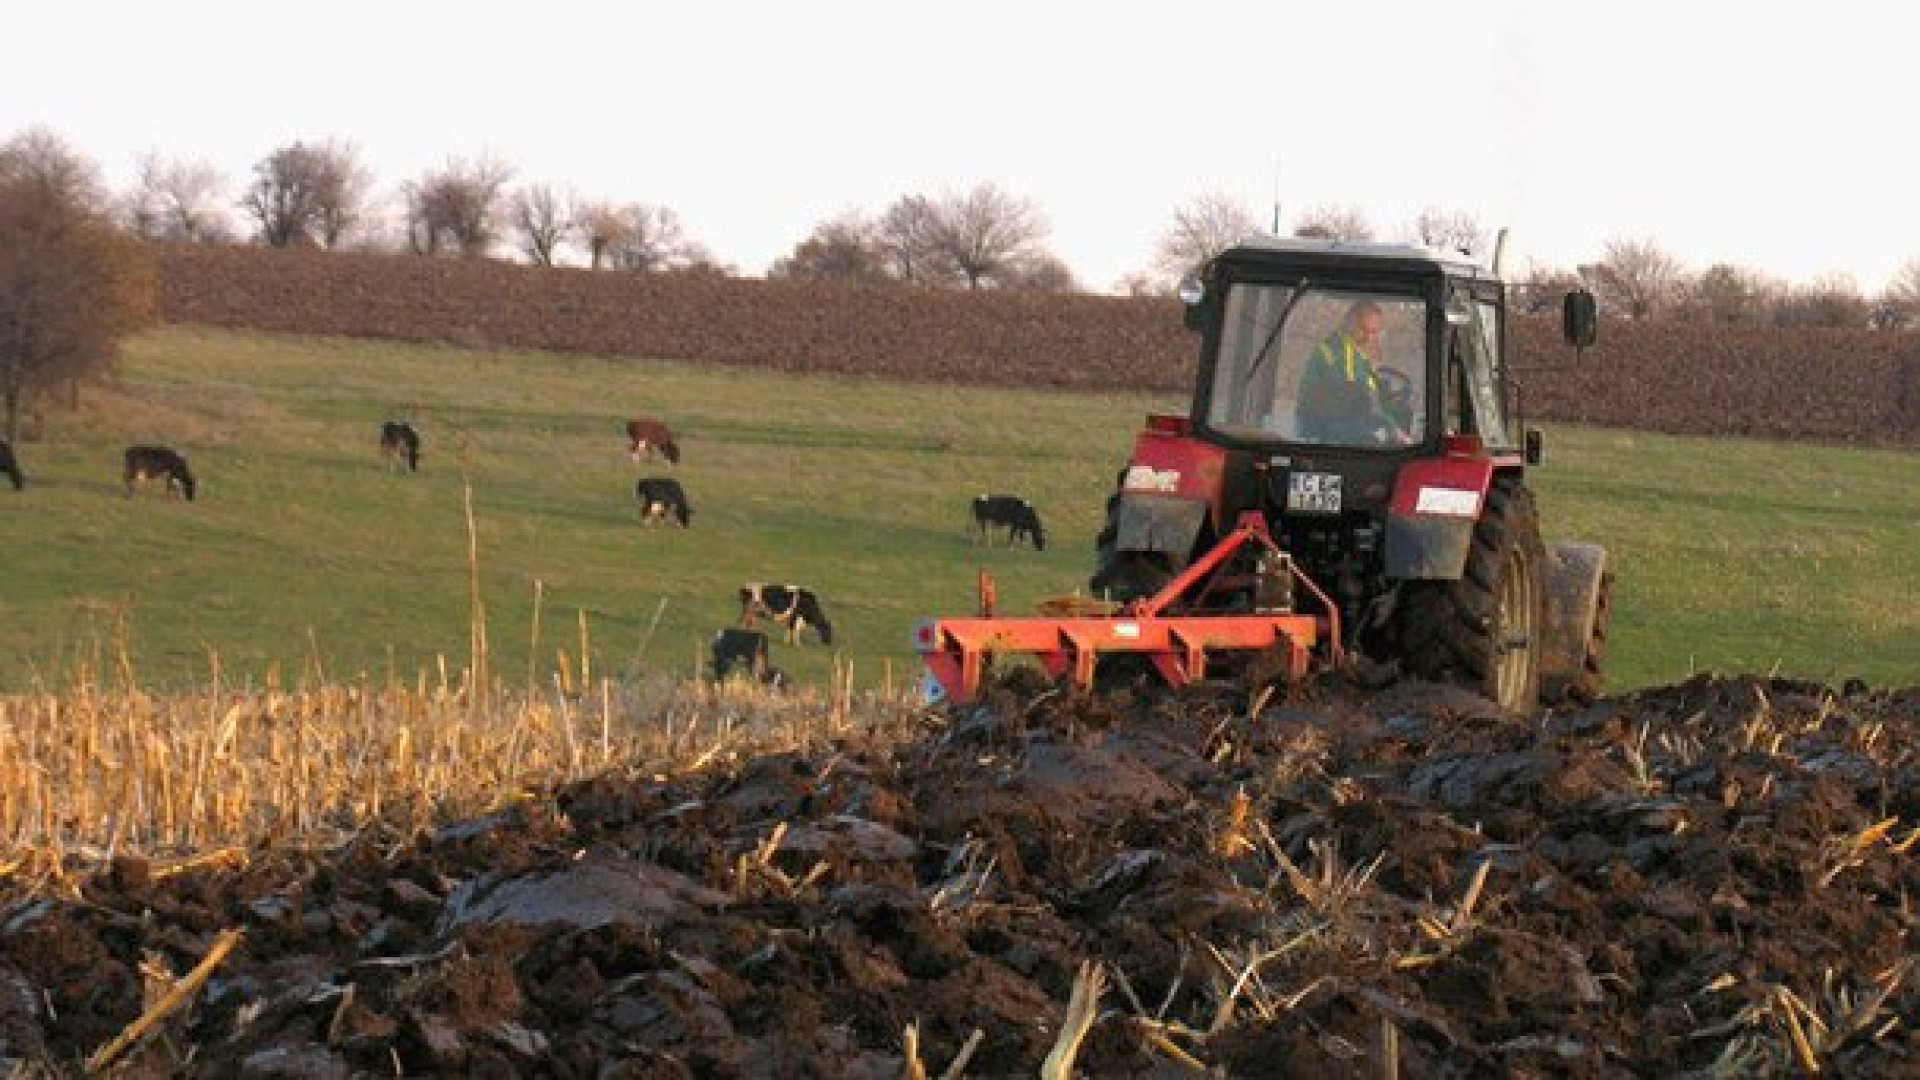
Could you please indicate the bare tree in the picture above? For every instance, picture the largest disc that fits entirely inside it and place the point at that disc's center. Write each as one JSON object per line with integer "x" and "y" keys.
{"x": 845, "y": 248}
{"x": 909, "y": 232}
{"x": 990, "y": 237}
{"x": 343, "y": 193}
{"x": 1732, "y": 295}
{"x": 177, "y": 200}
{"x": 981, "y": 238}
{"x": 1202, "y": 228}
{"x": 457, "y": 207}
{"x": 1899, "y": 305}
{"x": 540, "y": 216}
{"x": 1450, "y": 231}
{"x": 1538, "y": 291}
{"x": 654, "y": 240}
{"x": 305, "y": 194}
{"x": 71, "y": 285}
{"x": 1637, "y": 277}
{"x": 1883, "y": 313}
{"x": 44, "y": 164}
{"x": 1831, "y": 302}
{"x": 1335, "y": 223}
{"x": 603, "y": 229}
{"x": 1040, "y": 273}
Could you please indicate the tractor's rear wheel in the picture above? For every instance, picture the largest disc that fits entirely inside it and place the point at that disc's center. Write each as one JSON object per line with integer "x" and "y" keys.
{"x": 1483, "y": 631}
{"x": 1584, "y": 687}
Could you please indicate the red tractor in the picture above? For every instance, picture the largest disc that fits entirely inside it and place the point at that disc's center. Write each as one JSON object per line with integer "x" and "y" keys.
{"x": 1350, "y": 481}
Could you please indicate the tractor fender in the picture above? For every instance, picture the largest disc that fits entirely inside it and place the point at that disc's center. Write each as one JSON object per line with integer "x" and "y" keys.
{"x": 1168, "y": 491}
{"x": 1572, "y": 582}
{"x": 1431, "y": 516}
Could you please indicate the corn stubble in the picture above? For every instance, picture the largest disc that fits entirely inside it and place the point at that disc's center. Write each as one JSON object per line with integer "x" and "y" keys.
{"x": 201, "y": 777}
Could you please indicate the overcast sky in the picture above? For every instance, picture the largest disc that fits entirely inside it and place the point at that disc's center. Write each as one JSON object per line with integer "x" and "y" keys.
{"x": 1773, "y": 137}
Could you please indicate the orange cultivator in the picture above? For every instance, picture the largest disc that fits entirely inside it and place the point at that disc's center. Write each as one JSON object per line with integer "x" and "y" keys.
{"x": 1071, "y": 641}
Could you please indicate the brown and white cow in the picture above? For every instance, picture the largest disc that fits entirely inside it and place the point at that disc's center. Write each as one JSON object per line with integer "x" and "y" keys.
{"x": 646, "y": 438}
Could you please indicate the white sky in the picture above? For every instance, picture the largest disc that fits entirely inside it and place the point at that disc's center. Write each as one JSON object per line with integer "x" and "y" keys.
{"x": 1777, "y": 137}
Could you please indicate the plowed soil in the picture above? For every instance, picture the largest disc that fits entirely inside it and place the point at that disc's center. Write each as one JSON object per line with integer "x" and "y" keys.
{"x": 1715, "y": 875}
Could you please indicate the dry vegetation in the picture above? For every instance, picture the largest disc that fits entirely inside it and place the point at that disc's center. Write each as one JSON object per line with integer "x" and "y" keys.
{"x": 95, "y": 773}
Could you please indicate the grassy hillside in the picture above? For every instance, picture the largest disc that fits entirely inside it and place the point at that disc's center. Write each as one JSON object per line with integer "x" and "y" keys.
{"x": 305, "y": 556}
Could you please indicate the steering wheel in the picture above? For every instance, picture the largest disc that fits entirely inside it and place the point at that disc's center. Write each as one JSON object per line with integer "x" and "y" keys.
{"x": 1396, "y": 390}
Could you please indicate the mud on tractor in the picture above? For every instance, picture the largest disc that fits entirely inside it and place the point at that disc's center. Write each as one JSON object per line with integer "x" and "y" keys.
{"x": 1349, "y": 485}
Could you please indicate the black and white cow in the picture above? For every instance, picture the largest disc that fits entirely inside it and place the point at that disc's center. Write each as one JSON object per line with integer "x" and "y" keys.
{"x": 400, "y": 445}
{"x": 794, "y": 607}
{"x": 662, "y": 497}
{"x": 1012, "y": 513}
{"x": 11, "y": 466}
{"x": 158, "y": 463}
{"x": 738, "y": 651}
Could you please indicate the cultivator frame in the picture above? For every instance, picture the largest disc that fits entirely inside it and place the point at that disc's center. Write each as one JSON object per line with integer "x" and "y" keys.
{"x": 956, "y": 651}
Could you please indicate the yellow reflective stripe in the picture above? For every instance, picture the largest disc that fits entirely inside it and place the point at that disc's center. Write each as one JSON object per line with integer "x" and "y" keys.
{"x": 1350, "y": 350}
{"x": 1346, "y": 346}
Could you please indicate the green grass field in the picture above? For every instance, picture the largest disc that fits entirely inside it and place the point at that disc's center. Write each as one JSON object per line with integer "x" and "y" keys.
{"x": 305, "y": 557}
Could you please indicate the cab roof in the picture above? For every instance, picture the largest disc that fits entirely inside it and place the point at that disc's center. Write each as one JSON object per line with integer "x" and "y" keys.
{"x": 1262, "y": 247}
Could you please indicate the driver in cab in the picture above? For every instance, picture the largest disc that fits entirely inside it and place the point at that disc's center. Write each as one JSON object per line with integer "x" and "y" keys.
{"x": 1341, "y": 398}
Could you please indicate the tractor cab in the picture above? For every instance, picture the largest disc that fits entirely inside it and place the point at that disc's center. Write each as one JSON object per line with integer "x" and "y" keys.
{"x": 1326, "y": 347}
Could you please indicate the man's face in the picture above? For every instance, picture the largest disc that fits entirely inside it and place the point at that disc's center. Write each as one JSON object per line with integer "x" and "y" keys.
{"x": 1366, "y": 330}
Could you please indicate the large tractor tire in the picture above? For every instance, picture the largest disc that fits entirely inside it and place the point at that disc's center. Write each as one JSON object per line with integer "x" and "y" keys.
{"x": 1584, "y": 686}
{"x": 1484, "y": 631}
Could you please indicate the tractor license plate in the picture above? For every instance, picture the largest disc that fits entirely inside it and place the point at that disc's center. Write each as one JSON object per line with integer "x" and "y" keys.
{"x": 1313, "y": 493}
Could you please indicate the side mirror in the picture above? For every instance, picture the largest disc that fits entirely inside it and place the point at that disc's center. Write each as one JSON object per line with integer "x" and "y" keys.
{"x": 1535, "y": 447}
{"x": 1193, "y": 294}
{"x": 1579, "y": 319}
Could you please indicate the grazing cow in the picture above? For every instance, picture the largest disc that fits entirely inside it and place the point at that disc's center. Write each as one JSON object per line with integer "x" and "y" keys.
{"x": 156, "y": 463}
{"x": 792, "y": 606}
{"x": 744, "y": 652}
{"x": 661, "y": 497}
{"x": 1017, "y": 515}
{"x": 400, "y": 445}
{"x": 11, "y": 466}
{"x": 648, "y": 437}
